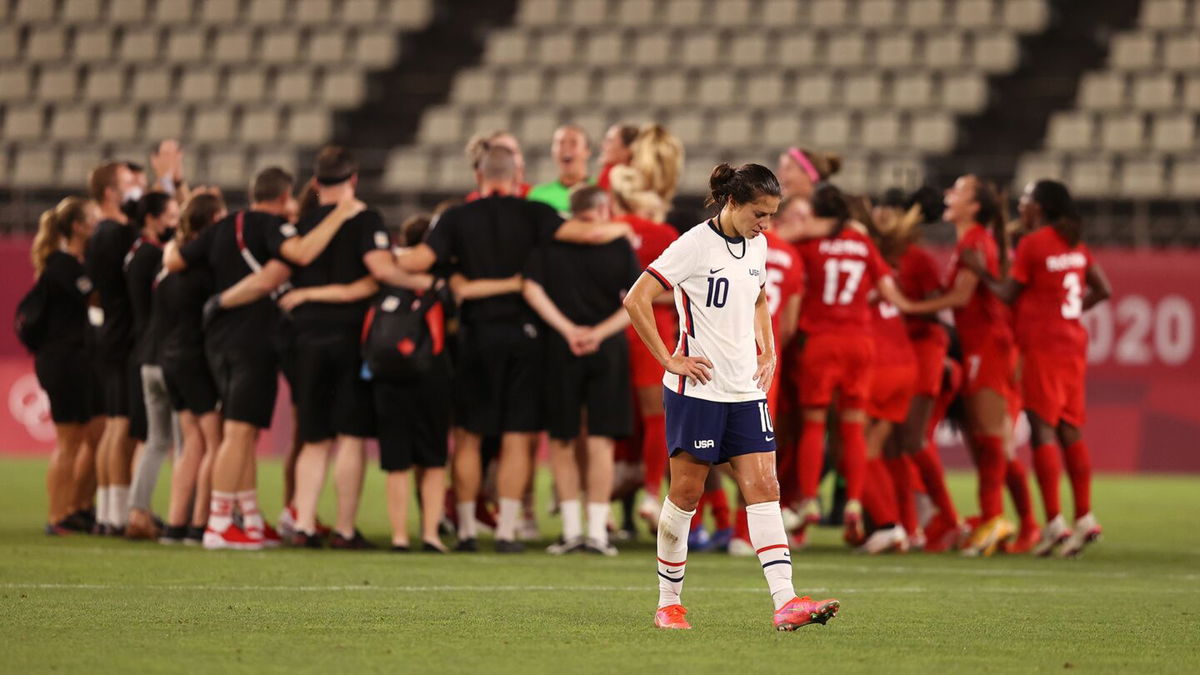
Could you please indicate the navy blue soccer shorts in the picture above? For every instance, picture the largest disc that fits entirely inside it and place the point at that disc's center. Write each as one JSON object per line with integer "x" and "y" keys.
{"x": 715, "y": 432}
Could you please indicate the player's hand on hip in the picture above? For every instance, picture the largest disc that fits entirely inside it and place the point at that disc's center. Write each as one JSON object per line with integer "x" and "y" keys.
{"x": 696, "y": 368}
{"x": 764, "y": 375}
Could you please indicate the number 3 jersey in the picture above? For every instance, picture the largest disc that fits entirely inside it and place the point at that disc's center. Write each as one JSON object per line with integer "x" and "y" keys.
{"x": 716, "y": 281}
{"x": 1054, "y": 276}
{"x": 840, "y": 272}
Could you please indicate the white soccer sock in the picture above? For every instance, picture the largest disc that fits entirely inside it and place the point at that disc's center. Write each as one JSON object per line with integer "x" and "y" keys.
{"x": 598, "y": 521}
{"x": 572, "y": 519}
{"x": 118, "y": 504}
{"x": 220, "y": 511}
{"x": 102, "y": 505}
{"x": 466, "y": 520}
{"x": 673, "y": 526}
{"x": 506, "y": 522}
{"x": 247, "y": 501}
{"x": 770, "y": 542}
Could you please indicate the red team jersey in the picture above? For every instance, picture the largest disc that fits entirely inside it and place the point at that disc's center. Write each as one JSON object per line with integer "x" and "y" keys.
{"x": 839, "y": 274}
{"x": 1054, "y": 276}
{"x": 650, "y": 240}
{"x": 918, "y": 278}
{"x": 785, "y": 277}
{"x": 984, "y": 316}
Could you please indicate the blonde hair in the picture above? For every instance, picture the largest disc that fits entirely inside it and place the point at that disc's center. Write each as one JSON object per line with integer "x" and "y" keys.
{"x": 54, "y": 227}
{"x": 477, "y": 145}
{"x": 658, "y": 155}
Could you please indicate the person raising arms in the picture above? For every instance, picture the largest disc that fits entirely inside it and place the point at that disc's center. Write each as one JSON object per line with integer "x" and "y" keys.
{"x": 715, "y": 385}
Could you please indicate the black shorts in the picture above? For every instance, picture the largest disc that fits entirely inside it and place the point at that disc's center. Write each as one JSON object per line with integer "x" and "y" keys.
{"x": 598, "y": 383}
{"x": 114, "y": 386}
{"x": 69, "y": 381}
{"x": 413, "y": 421}
{"x": 285, "y": 340}
{"x": 498, "y": 379}
{"x": 247, "y": 380}
{"x": 332, "y": 399}
{"x": 137, "y": 402}
{"x": 190, "y": 384}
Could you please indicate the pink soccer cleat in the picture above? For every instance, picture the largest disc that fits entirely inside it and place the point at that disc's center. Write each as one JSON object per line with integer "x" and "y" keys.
{"x": 803, "y": 611}
{"x": 671, "y": 616}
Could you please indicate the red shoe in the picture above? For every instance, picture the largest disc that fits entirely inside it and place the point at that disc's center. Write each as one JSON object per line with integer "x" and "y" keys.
{"x": 323, "y": 530}
{"x": 1027, "y": 538}
{"x": 233, "y": 538}
{"x": 803, "y": 611}
{"x": 854, "y": 535}
{"x": 671, "y": 616}
{"x": 267, "y": 535}
{"x": 944, "y": 534}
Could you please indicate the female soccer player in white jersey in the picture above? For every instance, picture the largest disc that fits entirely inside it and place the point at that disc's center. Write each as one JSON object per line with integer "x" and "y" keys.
{"x": 716, "y": 382}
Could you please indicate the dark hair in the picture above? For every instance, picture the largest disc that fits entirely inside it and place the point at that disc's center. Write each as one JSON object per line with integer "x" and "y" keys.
{"x": 334, "y": 165}
{"x": 414, "y": 229}
{"x": 829, "y": 202}
{"x": 134, "y": 166}
{"x": 101, "y": 178}
{"x": 586, "y": 198}
{"x": 742, "y": 185}
{"x": 151, "y": 204}
{"x": 1058, "y": 208}
{"x": 199, "y": 213}
{"x": 893, "y": 198}
{"x": 628, "y": 133}
{"x": 271, "y": 184}
{"x": 992, "y": 214}
{"x": 308, "y": 201}
{"x": 931, "y": 201}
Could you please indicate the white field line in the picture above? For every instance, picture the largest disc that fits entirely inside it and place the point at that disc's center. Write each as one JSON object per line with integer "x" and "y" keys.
{"x": 551, "y": 589}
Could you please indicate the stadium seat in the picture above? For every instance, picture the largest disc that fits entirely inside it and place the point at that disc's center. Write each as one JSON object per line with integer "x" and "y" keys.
{"x": 474, "y": 86}
{"x": 10, "y": 43}
{"x": 944, "y": 51}
{"x": 700, "y": 50}
{"x": 46, "y": 43}
{"x": 246, "y": 85}
{"x": 1102, "y": 91}
{"x": 226, "y": 167}
{"x": 538, "y": 126}
{"x": 34, "y": 167}
{"x": 846, "y": 51}
{"x": 538, "y": 12}
{"x": 815, "y": 91}
{"x": 1036, "y": 167}
{"x": 653, "y": 49}
{"x": 77, "y": 162}
{"x": 1154, "y": 91}
{"x": 507, "y": 48}
{"x": 34, "y": 11}
{"x": 165, "y": 121}
{"x": 441, "y": 125}
{"x": 880, "y": 131}
{"x": 1133, "y": 51}
{"x": 267, "y": 12}
{"x": 1182, "y": 51}
{"x": 1185, "y": 178}
{"x": 586, "y": 12}
{"x": 1025, "y": 16}
{"x": 342, "y": 89}
{"x": 1173, "y": 131}
{"x": 683, "y": 13}
{"x": 212, "y": 125}
{"x": 782, "y": 12}
{"x": 669, "y": 88}
{"x": 1122, "y": 132}
{"x": 313, "y": 12}
{"x": 933, "y": 132}
{"x": 1142, "y": 178}
{"x": 733, "y": 13}
{"x": 221, "y": 12}
{"x": 1168, "y": 14}
{"x": 829, "y": 13}
{"x": 234, "y": 46}
{"x": 1070, "y": 131}
{"x": 375, "y": 48}
{"x": 105, "y": 84}
{"x": 878, "y": 13}
{"x": 16, "y": 84}
{"x": 964, "y": 92}
{"x": 1191, "y": 93}
{"x": 140, "y": 44}
{"x": 187, "y": 45}
{"x": 863, "y": 90}
{"x": 327, "y": 46}
{"x": 127, "y": 11}
{"x": 735, "y": 129}
{"x": 719, "y": 87}
{"x": 764, "y": 88}
{"x": 912, "y": 90}
{"x": 152, "y": 83}
{"x": 174, "y": 11}
{"x": 199, "y": 85}
{"x": 995, "y": 53}
{"x": 119, "y": 123}
{"x": 691, "y": 126}
{"x": 58, "y": 83}
{"x": 924, "y": 13}
{"x": 453, "y": 175}
{"x": 974, "y": 14}
{"x": 523, "y": 87}
{"x": 294, "y": 85}
{"x": 797, "y": 49}
{"x": 359, "y": 13}
{"x": 895, "y": 50}
{"x": 93, "y": 44}
{"x": 604, "y": 48}
{"x": 571, "y": 87}
{"x": 783, "y": 127}
{"x": 71, "y": 123}
{"x": 832, "y": 130}
{"x": 895, "y": 170}
{"x": 308, "y": 127}
{"x": 487, "y": 120}
{"x": 81, "y": 11}
{"x": 410, "y": 14}
{"x": 1091, "y": 176}
{"x": 620, "y": 88}
{"x": 279, "y": 46}
{"x": 407, "y": 171}
{"x": 556, "y": 48}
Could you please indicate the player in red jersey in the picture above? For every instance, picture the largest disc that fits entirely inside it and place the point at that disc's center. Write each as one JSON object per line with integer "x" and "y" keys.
{"x": 1053, "y": 281}
{"x": 650, "y": 239}
{"x": 990, "y": 357}
{"x": 841, "y": 267}
{"x": 801, "y": 170}
{"x": 615, "y": 150}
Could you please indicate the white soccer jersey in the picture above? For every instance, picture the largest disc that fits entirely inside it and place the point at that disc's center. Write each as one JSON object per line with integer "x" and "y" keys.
{"x": 716, "y": 281}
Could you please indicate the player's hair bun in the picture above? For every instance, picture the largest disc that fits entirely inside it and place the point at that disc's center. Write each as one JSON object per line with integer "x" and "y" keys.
{"x": 741, "y": 185}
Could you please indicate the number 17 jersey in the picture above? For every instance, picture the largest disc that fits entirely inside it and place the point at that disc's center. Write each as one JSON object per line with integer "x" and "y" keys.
{"x": 840, "y": 272}
{"x": 1054, "y": 276}
{"x": 716, "y": 281}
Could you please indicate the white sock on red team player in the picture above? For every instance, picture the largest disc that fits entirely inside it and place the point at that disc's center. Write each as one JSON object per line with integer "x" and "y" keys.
{"x": 466, "y": 520}
{"x": 220, "y": 512}
{"x": 252, "y": 519}
{"x": 507, "y": 519}
{"x": 673, "y": 526}
{"x": 770, "y": 542}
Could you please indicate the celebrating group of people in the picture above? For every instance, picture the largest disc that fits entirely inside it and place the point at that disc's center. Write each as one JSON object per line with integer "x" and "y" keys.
{"x": 798, "y": 331}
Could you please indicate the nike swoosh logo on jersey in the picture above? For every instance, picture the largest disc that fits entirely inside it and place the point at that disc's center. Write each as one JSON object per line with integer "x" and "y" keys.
{"x": 770, "y": 438}
{"x": 716, "y": 270}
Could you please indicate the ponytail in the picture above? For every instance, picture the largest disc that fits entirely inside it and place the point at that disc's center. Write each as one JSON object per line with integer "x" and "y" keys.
{"x": 54, "y": 227}
{"x": 992, "y": 214}
{"x": 742, "y": 185}
{"x": 829, "y": 202}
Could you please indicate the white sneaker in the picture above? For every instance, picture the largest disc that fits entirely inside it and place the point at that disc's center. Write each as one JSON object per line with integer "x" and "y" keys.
{"x": 926, "y": 509}
{"x": 529, "y": 530}
{"x": 565, "y": 546}
{"x": 601, "y": 546}
{"x": 287, "y": 523}
{"x": 740, "y": 548}
{"x": 791, "y": 519}
{"x": 1086, "y": 531}
{"x": 886, "y": 541}
{"x": 649, "y": 511}
{"x": 1055, "y": 533}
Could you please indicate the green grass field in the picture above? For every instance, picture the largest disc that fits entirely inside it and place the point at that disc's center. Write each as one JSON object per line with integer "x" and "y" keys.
{"x": 102, "y": 605}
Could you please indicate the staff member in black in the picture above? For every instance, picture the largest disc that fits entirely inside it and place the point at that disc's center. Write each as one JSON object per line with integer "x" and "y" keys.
{"x": 111, "y": 186}
{"x": 157, "y": 216}
{"x": 62, "y": 358}
{"x": 178, "y": 305}
{"x": 577, "y": 289}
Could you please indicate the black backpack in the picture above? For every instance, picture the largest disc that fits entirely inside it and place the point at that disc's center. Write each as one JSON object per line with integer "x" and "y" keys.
{"x": 404, "y": 334}
{"x": 30, "y": 320}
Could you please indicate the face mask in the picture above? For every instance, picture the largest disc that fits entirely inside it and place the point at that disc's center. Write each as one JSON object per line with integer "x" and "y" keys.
{"x": 133, "y": 194}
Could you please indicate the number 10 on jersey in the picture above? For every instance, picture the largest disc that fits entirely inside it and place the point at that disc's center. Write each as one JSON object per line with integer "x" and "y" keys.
{"x": 718, "y": 292}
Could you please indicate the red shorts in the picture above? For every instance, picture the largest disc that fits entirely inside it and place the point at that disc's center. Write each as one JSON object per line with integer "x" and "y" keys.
{"x": 931, "y": 362}
{"x": 645, "y": 368}
{"x": 1053, "y": 387}
{"x": 892, "y": 390}
{"x": 991, "y": 364}
{"x": 836, "y": 364}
